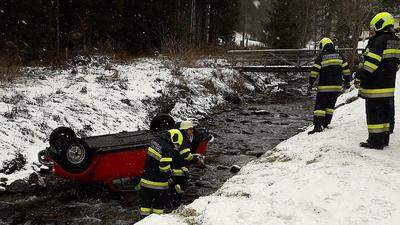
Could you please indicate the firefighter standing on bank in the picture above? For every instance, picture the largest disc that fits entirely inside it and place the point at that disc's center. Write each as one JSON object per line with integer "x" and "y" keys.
{"x": 377, "y": 79}
{"x": 331, "y": 69}
{"x": 156, "y": 178}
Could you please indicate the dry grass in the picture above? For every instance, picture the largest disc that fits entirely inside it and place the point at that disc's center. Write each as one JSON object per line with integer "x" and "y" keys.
{"x": 239, "y": 85}
{"x": 119, "y": 56}
{"x": 185, "y": 53}
{"x": 178, "y": 55}
{"x": 16, "y": 164}
{"x": 210, "y": 86}
{"x": 10, "y": 69}
{"x": 9, "y": 73}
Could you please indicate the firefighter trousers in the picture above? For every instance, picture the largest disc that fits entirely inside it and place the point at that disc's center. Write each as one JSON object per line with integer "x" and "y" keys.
{"x": 392, "y": 115}
{"x": 152, "y": 201}
{"x": 175, "y": 196}
{"x": 380, "y": 114}
{"x": 324, "y": 108}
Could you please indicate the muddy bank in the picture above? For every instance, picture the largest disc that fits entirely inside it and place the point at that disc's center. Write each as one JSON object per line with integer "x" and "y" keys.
{"x": 242, "y": 133}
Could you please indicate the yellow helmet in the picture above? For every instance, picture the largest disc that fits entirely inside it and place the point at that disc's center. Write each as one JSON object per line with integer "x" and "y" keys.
{"x": 186, "y": 125}
{"x": 381, "y": 20}
{"x": 176, "y": 136}
{"x": 324, "y": 41}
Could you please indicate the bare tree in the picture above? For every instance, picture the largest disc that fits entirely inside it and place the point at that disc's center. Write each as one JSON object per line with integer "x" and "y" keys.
{"x": 357, "y": 13}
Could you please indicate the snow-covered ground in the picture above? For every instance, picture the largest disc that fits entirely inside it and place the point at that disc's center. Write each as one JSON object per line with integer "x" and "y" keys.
{"x": 248, "y": 41}
{"x": 101, "y": 97}
{"x": 362, "y": 44}
{"x": 325, "y": 178}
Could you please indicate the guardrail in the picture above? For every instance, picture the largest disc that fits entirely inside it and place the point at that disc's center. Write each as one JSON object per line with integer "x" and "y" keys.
{"x": 278, "y": 60}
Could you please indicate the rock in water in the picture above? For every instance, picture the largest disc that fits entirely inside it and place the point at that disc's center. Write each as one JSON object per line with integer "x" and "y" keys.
{"x": 221, "y": 167}
{"x": 18, "y": 186}
{"x": 235, "y": 169}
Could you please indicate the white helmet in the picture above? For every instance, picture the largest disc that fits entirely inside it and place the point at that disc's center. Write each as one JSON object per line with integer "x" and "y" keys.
{"x": 186, "y": 125}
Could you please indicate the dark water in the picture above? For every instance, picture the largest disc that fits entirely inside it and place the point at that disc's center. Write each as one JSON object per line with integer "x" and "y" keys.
{"x": 242, "y": 133}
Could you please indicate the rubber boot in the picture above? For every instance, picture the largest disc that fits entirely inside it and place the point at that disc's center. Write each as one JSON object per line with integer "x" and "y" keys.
{"x": 370, "y": 145}
{"x": 316, "y": 129}
{"x": 387, "y": 139}
{"x": 391, "y": 127}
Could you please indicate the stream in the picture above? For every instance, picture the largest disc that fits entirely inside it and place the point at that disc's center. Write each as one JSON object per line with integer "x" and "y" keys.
{"x": 242, "y": 133}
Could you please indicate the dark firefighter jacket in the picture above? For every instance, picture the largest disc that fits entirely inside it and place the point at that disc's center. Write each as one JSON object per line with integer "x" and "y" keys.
{"x": 157, "y": 168}
{"x": 381, "y": 61}
{"x": 331, "y": 68}
{"x": 180, "y": 163}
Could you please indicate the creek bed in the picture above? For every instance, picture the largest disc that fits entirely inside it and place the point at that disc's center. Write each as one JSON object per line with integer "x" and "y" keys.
{"x": 242, "y": 133}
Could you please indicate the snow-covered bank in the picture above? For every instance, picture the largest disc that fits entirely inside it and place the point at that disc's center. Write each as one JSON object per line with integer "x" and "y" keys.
{"x": 100, "y": 97}
{"x": 323, "y": 178}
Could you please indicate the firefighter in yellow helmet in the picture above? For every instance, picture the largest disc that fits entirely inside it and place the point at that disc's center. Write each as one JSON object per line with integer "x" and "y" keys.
{"x": 331, "y": 69}
{"x": 156, "y": 178}
{"x": 377, "y": 79}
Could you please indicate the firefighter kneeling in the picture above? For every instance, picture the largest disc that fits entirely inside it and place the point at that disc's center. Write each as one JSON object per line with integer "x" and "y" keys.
{"x": 180, "y": 164}
{"x": 331, "y": 69}
{"x": 156, "y": 178}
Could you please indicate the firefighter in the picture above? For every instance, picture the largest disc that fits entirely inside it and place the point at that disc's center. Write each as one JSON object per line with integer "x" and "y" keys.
{"x": 331, "y": 69}
{"x": 377, "y": 79}
{"x": 156, "y": 177}
{"x": 180, "y": 165}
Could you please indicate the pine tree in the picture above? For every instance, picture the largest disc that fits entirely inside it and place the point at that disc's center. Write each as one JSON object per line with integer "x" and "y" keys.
{"x": 281, "y": 27}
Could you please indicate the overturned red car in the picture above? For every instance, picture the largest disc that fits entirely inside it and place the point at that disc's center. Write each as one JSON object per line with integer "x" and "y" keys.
{"x": 114, "y": 159}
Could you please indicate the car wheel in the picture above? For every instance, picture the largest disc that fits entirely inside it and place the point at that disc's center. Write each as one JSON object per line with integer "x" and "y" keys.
{"x": 61, "y": 136}
{"x": 76, "y": 157}
{"x": 162, "y": 122}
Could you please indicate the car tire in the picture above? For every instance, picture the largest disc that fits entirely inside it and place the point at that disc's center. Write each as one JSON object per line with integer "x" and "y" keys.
{"x": 61, "y": 136}
{"x": 76, "y": 157}
{"x": 162, "y": 122}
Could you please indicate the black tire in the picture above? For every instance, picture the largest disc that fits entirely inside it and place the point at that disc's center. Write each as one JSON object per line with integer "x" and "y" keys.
{"x": 60, "y": 137}
{"x": 162, "y": 122}
{"x": 76, "y": 157}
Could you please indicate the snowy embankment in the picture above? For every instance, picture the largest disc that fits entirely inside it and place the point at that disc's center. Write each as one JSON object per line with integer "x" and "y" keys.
{"x": 100, "y": 97}
{"x": 325, "y": 178}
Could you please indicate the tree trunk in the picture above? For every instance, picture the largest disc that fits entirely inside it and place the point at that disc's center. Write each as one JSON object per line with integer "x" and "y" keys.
{"x": 193, "y": 17}
{"x": 212, "y": 32}
{"x": 58, "y": 27}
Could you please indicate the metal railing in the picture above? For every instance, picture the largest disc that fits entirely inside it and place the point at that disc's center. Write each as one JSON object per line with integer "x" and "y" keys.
{"x": 278, "y": 60}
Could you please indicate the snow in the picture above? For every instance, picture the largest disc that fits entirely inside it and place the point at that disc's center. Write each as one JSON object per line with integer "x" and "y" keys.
{"x": 101, "y": 98}
{"x": 51, "y": 99}
{"x": 325, "y": 178}
{"x": 257, "y": 4}
{"x": 362, "y": 44}
{"x": 238, "y": 37}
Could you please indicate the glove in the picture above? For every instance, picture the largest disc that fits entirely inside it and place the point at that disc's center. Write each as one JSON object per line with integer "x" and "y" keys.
{"x": 178, "y": 189}
{"x": 171, "y": 181}
{"x": 199, "y": 161}
{"x": 353, "y": 76}
{"x": 357, "y": 83}
{"x": 346, "y": 85}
